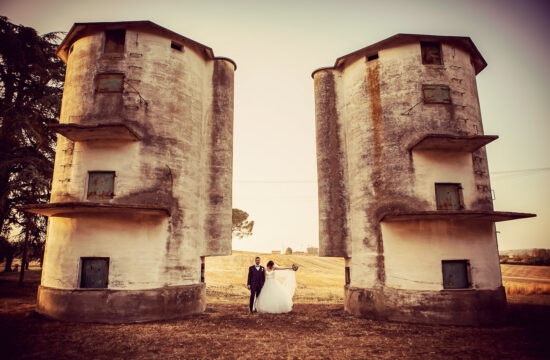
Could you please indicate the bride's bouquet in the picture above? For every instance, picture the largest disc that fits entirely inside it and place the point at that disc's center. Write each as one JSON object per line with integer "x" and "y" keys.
{"x": 295, "y": 267}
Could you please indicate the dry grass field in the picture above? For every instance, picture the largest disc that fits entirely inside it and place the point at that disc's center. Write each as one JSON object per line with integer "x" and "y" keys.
{"x": 319, "y": 280}
{"x": 526, "y": 279}
{"x": 317, "y": 328}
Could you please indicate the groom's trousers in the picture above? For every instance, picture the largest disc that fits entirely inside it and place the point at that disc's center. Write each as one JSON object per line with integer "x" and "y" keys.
{"x": 254, "y": 292}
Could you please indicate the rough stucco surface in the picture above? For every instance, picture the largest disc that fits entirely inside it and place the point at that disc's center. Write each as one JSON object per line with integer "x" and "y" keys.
{"x": 378, "y": 111}
{"x": 116, "y": 306}
{"x": 452, "y": 307}
{"x": 181, "y": 107}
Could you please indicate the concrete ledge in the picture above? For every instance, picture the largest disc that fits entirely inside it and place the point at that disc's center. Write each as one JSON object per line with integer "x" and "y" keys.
{"x": 451, "y": 307}
{"x": 121, "y": 306}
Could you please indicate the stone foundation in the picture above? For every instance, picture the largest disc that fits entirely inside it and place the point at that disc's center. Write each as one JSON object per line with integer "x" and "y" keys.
{"x": 452, "y": 307}
{"x": 121, "y": 306}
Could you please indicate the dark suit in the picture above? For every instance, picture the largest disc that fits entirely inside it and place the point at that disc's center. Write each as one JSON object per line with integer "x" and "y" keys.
{"x": 256, "y": 279}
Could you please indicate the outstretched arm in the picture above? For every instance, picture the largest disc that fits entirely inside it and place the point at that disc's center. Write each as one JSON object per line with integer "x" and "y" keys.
{"x": 281, "y": 268}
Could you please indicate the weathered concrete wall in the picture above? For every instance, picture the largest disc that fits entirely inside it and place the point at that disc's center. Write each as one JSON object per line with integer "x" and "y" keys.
{"x": 334, "y": 211}
{"x": 136, "y": 252}
{"x": 116, "y": 306}
{"x": 432, "y": 167}
{"x": 451, "y": 307}
{"x": 180, "y": 104}
{"x": 413, "y": 252}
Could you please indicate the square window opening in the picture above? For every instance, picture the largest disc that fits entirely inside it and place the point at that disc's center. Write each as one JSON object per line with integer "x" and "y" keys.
{"x": 202, "y": 269}
{"x": 436, "y": 94}
{"x": 176, "y": 46}
{"x": 94, "y": 272}
{"x": 114, "y": 41}
{"x": 101, "y": 185}
{"x": 456, "y": 274}
{"x": 431, "y": 53}
{"x": 448, "y": 196}
{"x": 372, "y": 57}
{"x": 109, "y": 83}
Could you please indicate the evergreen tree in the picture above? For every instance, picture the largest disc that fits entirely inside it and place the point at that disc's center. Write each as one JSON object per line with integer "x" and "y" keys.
{"x": 31, "y": 87}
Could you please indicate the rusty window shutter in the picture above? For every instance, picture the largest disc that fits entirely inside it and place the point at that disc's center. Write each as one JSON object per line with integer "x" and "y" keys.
{"x": 94, "y": 273}
{"x": 114, "y": 41}
{"x": 448, "y": 196}
{"x": 101, "y": 185}
{"x": 431, "y": 53}
{"x": 455, "y": 274}
{"x": 436, "y": 94}
{"x": 106, "y": 83}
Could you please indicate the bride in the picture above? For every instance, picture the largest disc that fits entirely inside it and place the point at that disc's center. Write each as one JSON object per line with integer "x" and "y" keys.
{"x": 277, "y": 292}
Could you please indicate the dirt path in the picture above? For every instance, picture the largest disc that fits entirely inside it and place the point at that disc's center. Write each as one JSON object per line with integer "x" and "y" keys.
{"x": 226, "y": 331}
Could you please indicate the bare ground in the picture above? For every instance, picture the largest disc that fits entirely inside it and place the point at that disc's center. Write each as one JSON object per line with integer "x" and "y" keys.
{"x": 225, "y": 330}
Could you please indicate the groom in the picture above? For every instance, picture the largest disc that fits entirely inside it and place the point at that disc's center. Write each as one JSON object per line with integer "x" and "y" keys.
{"x": 256, "y": 279}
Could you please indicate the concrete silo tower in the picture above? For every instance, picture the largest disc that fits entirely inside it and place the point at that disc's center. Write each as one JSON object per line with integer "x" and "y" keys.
{"x": 404, "y": 193}
{"x": 141, "y": 191}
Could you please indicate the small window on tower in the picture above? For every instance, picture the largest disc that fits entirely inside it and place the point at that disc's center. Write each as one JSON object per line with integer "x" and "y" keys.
{"x": 176, "y": 46}
{"x": 101, "y": 185}
{"x": 372, "y": 57}
{"x": 114, "y": 41}
{"x": 431, "y": 53}
{"x": 448, "y": 196}
{"x": 436, "y": 94}
{"x": 109, "y": 83}
{"x": 456, "y": 274}
{"x": 94, "y": 272}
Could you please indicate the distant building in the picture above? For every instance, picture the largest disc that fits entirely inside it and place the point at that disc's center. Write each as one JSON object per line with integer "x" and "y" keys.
{"x": 297, "y": 253}
{"x": 275, "y": 251}
{"x": 404, "y": 191}
{"x": 141, "y": 190}
{"x": 313, "y": 250}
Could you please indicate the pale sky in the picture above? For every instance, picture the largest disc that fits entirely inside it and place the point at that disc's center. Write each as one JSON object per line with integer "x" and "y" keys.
{"x": 277, "y": 44}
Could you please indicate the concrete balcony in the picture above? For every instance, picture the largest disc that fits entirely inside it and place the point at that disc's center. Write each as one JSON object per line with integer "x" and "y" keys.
{"x": 70, "y": 209}
{"x": 94, "y": 132}
{"x": 459, "y": 215}
{"x": 445, "y": 142}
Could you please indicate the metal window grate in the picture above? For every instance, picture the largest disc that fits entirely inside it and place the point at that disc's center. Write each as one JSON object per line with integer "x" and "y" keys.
{"x": 455, "y": 274}
{"x": 101, "y": 185}
{"x": 94, "y": 272}
{"x": 436, "y": 94}
{"x": 108, "y": 83}
{"x": 448, "y": 196}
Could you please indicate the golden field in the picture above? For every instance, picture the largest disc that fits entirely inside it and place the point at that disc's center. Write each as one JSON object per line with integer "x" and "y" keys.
{"x": 526, "y": 279}
{"x": 319, "y": 280}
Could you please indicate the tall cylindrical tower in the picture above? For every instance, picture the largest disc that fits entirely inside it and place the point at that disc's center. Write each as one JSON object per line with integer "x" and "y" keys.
{"x": 141, "y": 191}
{"x": 404, "y": 191}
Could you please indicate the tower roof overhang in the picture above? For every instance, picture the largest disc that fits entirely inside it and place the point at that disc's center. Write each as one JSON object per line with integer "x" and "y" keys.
{"x": 463, "y": 42}
{"x": 79, "y": 30}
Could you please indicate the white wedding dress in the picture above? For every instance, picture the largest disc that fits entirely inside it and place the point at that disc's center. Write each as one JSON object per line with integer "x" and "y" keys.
{"x": 277, "y": 292}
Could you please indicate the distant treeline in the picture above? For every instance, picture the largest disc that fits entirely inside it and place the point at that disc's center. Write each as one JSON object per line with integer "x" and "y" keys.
{"x": 535, "y": 257}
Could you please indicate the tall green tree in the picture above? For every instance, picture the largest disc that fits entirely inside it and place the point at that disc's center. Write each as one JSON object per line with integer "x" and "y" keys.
{"x": 241, "y": 226}
{"x": 31, "y": 87}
